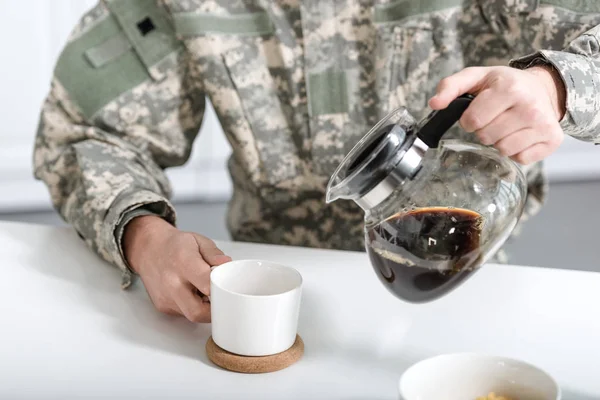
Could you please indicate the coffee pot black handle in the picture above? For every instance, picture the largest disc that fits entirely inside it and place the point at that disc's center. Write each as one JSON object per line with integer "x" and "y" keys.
{"x": 437, "y": 123}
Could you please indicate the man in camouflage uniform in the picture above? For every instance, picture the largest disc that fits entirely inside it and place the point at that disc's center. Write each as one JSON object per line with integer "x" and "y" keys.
{"x": 295, "y": 84}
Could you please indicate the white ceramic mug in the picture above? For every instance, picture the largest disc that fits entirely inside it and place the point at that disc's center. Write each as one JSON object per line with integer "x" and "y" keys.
{"x": 254, "y": 307}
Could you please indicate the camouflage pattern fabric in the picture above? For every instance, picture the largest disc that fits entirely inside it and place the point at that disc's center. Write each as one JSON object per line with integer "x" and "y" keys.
{"x": 293, "y": 96}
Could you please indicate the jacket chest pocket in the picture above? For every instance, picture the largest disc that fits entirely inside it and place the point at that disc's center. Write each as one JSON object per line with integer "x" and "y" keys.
{"x": 531, "y": 25}
{"x": 248, "y": 82}
{"x": 267, "y": 115}
{"x": 416, "y": 46}
{"x": 403, "y": 58}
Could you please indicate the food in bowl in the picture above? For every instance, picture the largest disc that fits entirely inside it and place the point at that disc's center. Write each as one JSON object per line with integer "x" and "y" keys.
{"x": 492, "y": 396}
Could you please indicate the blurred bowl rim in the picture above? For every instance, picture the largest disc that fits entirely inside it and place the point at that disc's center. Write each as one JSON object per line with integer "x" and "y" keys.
{"x": 403, "y": 377}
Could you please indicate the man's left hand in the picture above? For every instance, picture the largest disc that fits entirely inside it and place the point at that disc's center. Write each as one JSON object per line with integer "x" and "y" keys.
{"x": 517, "y": 111}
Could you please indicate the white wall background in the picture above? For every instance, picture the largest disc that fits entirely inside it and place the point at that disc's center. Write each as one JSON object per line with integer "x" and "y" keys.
{"x": 32, "y": 34}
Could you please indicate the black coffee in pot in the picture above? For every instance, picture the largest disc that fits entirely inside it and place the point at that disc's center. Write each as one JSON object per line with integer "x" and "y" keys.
{"x": 423, "y": 254}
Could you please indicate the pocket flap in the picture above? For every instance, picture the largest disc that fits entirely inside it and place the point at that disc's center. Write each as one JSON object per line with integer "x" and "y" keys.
{"x": 258, "y": 91}
{"x": 398, "y": 10}
{"x": 247, "y": 24}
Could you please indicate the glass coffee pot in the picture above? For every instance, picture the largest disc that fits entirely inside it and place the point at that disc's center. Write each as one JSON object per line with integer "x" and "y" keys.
{"x": 435, "y": 210}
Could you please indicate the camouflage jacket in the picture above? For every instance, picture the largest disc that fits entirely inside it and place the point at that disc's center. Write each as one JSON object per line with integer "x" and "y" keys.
{"x": 294, "y": 83}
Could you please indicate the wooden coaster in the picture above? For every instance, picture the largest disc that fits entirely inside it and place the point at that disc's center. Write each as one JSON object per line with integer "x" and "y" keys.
{"x": 254, "y": 365}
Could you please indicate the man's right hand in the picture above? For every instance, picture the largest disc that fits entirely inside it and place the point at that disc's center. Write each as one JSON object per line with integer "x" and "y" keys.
{"x": 173, "y": 265}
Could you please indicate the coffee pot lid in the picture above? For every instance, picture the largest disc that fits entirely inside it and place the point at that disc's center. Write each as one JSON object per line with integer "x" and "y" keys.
{"x": 390, "y": 153}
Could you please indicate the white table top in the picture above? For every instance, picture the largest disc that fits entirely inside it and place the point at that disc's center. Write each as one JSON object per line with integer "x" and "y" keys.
{"x": 69, "y": 331}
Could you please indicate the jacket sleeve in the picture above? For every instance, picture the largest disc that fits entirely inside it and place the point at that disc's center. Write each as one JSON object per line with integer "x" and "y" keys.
{"x": 103, "y": 170}
{"x": 579, "y": 67}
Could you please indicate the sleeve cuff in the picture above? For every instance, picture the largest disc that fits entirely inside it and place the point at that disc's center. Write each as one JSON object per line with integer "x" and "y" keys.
{"x": 122, "y": 211}
{"x": 581, "y": 78}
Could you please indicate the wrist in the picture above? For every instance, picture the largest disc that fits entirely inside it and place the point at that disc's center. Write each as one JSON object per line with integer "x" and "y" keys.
{"x": 555, "y": 88}
{"x": 138, "y": 236}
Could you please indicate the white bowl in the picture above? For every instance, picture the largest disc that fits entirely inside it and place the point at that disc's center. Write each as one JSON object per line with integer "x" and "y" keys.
{"x": 469, "y": 376}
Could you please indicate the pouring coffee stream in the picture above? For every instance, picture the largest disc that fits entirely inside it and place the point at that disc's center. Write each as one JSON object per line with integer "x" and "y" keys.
{"x": 435, "y": 210}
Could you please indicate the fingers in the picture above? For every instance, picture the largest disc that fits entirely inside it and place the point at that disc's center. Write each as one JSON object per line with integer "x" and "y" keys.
{"x": 209, "y": 251}
{"x": 517, "y": 142}
{"x": 484, "y": 109}
{"x": 192, "y": 306}
{"x": 531, "y": 144}
{"x": 533, "y": 154}
{"x": 178, "y": 275}
{"x": 198, "y": 273}
{"x": 511, "y": 110}
{"x": 182, "y": 284}
{"x": 537, "y": 152}
{"x": 509, "y": 121}
{"x": 199, "y": 268}
{"x": 469, "y": 80}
